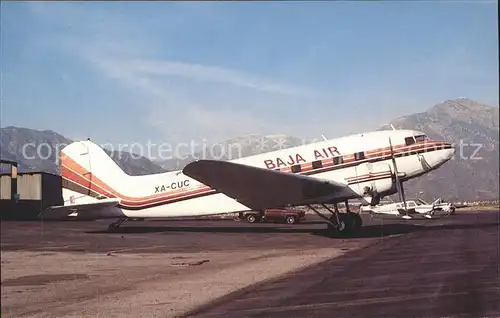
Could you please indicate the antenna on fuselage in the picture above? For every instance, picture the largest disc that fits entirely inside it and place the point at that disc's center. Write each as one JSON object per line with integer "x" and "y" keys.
{"x": 392, "y": 127}
{"x": 324, "y": 138}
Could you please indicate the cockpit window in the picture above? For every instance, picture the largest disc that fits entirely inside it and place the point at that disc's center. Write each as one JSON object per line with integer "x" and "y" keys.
{"x": 409, "y": 140}
{"x": 421, "y": 138}
{"x": 414, "y": 139}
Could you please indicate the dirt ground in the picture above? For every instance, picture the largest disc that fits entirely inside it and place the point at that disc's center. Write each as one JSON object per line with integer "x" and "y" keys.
{"x": 57, "y": 284}
{"x": 155, "y": 268}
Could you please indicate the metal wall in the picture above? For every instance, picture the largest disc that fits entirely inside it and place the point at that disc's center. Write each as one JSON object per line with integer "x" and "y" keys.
{"x": 29, "y": 186}
{"x": 5, "y": 187}
{"x": 36, "y": 191}
{"x": 40, "y": 186}
{"x": 51, "y": 190}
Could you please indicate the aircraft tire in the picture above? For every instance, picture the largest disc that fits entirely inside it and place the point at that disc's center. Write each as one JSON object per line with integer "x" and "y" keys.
{"x": 352, "y": 224}
{"x": 356, "y": 221}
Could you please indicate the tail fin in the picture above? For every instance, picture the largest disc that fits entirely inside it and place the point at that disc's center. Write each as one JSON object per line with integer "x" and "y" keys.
{"x": 88, "y": 173}
{"x": 436, "y": 202}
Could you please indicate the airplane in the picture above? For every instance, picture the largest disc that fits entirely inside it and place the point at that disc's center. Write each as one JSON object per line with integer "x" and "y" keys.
{"x": 413, "y": 207}
{"x": 366, "y": 166}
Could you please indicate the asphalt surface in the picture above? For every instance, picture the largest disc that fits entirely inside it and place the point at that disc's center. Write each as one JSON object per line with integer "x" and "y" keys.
{"x": 447, "y": 268}
{"x": 185, "y": 235}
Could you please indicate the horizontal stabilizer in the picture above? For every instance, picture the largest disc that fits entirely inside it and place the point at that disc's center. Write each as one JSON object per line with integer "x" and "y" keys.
{"x": 85, "y": 210}
{"x": 259, "y": 188}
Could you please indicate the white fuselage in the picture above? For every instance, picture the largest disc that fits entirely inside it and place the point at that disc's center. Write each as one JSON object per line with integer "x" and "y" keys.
{"x": 398, "y": 208}
{"x": 363, "y": 160}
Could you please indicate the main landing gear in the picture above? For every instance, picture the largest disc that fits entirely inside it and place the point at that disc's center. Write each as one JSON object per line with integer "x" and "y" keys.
{"x": 344, "y": 224}
{"x": 117, "y": 224}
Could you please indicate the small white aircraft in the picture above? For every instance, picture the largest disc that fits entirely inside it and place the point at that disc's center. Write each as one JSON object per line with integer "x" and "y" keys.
{"x": 418, "y": 207}
{"x": 440, "y": 205}
{"x": 364, "y": 166}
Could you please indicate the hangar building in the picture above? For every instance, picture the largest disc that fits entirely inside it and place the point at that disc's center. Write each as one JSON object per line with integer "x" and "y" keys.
{"x": 24, "y": 195}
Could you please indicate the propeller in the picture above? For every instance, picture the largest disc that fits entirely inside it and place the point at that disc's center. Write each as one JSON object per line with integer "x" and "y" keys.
{"x": 399, "y": 184}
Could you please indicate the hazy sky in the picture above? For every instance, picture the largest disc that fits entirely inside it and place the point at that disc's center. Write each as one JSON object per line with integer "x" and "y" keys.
{"x": 132, "y": 71}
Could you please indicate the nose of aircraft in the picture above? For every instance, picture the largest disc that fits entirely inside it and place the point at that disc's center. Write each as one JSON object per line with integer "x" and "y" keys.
{"x": 449, "y": 151}
{"x": 437, "y": 155}
{"x": 446, "y": 153}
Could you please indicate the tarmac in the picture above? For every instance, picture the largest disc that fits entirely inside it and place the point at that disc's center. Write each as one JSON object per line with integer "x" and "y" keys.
{"x": 183, "y": 235}
{"x": 446, "y": 267}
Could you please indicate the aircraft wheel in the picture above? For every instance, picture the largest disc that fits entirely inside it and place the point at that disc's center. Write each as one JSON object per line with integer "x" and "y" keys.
{"x": 351, "y": 223}
{"x": 357, "y": 221}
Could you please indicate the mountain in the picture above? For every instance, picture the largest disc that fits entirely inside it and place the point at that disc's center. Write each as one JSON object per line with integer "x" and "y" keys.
{"x": 237, "y": 147}
{"x": 474, "y": 128}
{"x": 36, "y": 150}
{"x": 471, "y": 175}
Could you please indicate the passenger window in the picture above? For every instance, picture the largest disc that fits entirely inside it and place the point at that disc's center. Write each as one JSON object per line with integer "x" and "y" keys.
{"x": 359, "y": 155}
{"x": 338, "y": 160}
{"x": 317, "y": 164}
{"x": 296, "y": 169}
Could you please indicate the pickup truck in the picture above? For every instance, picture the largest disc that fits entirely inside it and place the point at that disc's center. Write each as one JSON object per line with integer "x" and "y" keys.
{"x": 290, "y": 216}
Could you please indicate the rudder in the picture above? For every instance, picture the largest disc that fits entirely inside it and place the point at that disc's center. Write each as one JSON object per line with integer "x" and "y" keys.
{"x": 88, "y": 173}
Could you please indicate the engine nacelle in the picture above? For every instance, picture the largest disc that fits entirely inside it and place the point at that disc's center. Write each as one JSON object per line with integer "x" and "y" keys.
{"x": 379, "y": 182}
{"x": 371, "y": 194}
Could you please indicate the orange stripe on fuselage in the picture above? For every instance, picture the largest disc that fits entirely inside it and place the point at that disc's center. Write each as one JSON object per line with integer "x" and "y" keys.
{"x": 74, "y": 172}
{"x": 369, "y": 155}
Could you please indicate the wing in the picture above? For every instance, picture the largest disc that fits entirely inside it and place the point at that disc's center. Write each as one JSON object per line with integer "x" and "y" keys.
{"x": 85, "y": 210}
{"x": 259, "y": 188}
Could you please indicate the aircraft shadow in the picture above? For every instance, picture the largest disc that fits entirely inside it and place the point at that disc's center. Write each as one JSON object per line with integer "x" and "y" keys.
{"x": 367, "y": 231}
